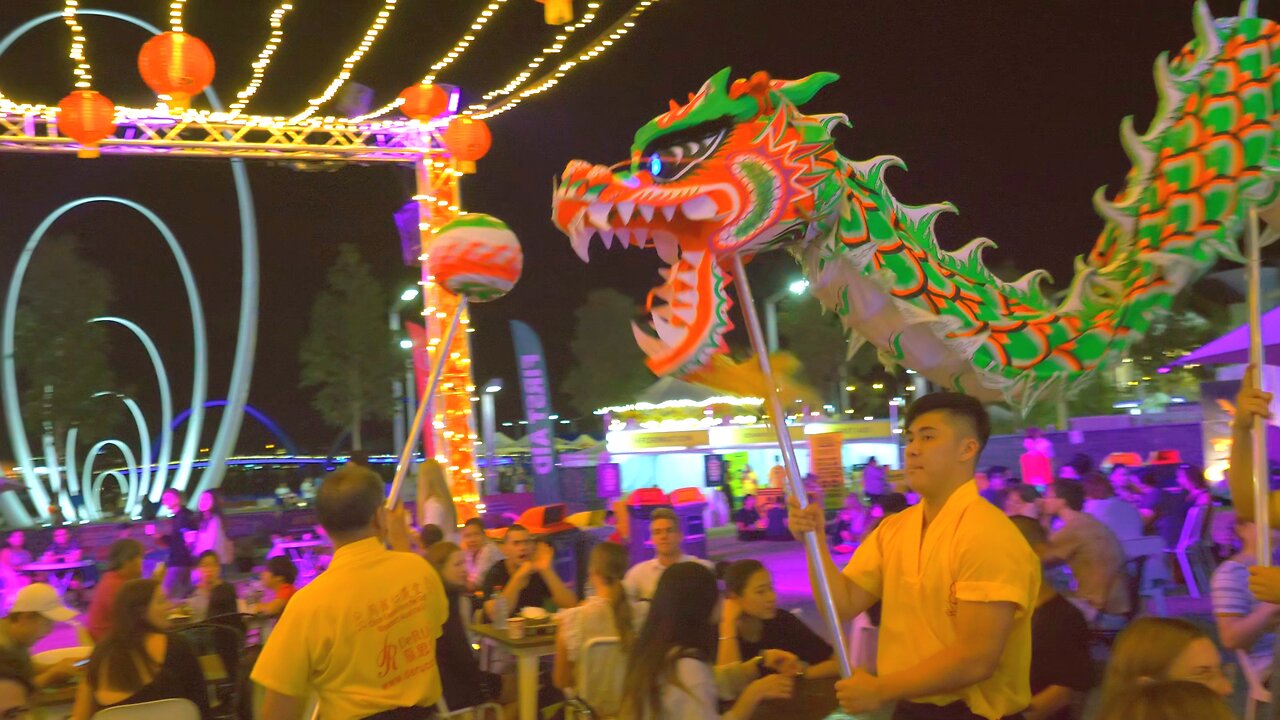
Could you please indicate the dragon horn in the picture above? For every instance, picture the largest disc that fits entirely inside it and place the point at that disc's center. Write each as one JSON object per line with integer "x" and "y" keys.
{"x": 1206, "y": 32}
{"x": 1249, "y": 8}
{"x": 799, "y": 92}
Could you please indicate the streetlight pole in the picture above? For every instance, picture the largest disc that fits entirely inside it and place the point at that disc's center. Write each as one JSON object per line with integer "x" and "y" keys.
{"x": 399, "y": 390}
{"x": 797, "y": 287}
{"x": 488, "y": 425}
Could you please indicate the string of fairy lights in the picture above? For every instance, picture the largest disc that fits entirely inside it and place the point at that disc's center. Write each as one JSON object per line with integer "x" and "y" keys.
{"x": 81, "y": 69}
{"x": 366, "y": 42}
{"x": 516, "y": 90}
{"x": 259, "y": 66}
{"x": 457, "y": 51}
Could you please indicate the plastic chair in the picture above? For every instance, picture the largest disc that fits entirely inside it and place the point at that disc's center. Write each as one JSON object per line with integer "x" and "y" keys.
{"x": 598, "y": 677}
{"x": 485, "y": 711}
{"x": 171, "y": 709}
{"x": 1148, "y": 548}
{"x": 1190, "y": 551}
{"x": 864, "y": 639}
{"x": 218, "y": 647}
{"x": 1258, "y": 692}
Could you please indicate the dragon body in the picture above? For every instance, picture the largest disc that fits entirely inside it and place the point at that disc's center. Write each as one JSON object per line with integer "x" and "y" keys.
{"x": 740, "y": 169}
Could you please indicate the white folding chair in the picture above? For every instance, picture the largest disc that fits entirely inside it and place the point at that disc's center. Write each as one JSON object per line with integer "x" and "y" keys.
{"x": 864, "y": 639}
{"x": 485, "y": 711}
{"x": 1151, "y": 549}
{"x": 1190, "y": 549}
{"x": 598, "y": 678}
{"x": 171, "y": 709}
{"x": 1257, "y": 689}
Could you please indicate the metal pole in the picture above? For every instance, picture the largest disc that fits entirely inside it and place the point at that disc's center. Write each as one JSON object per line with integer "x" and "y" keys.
{"x": 488, "y": 422}
{"x": 1261, "y": 468}
{"x": 410, "y": 394}
{"x": 893, "y": 433}
{"x": 406, "y": 455}
{"x": 771, "y": 324}
{"x": 397, "y": 388}
{"x": 779, "y": 421}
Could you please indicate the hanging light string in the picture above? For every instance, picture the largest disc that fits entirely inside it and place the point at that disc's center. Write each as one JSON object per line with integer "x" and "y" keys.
{"x": 264, "y": 59}
{"x": 370, "y": 35}
{"x": 603, "y": 42}
{"x": 555, "y": 49}
{"x": 176, "y": 9}
{"x": 598, "y": 47}
{"x": 458, "y": 50}
{"x": 82, "y": 71}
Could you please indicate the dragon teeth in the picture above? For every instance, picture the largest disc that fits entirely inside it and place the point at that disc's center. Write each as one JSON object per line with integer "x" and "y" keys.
{"x": 641, "y": 235}
{"x": 684, "y": 312}
{"x": 624, "y": 236}
{"x": 669, "y": 211}
{"x": 668, "y": 248}
{"x": 580, "y": 239}
{"x": 598, "y": 214}
{"x": 693, "y": 258}
{"x": 699, "y": 208}
{"x": 669, "y": 334}
{"x": 607, "y": 237}
{"x": 651, "y": 345}
{"x": 646, "y": 212}
{"x": 624, "y": 211}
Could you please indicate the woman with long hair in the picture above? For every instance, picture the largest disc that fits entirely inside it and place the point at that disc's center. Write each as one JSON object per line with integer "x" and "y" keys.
{"x": 465, "y": 684}
{"x": 669, "y": 670}
{"x": 750, "y": 623}
{"x": 211, "y": 535}
{"x": 606, "y": 614}
{"x": 435, "y": 500}
{"x": 1174, "y": 700}
{"x": 137, "y": 661}
{"x": 1162, "y": 649}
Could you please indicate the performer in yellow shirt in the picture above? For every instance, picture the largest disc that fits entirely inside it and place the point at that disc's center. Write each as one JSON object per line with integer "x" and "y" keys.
{"x": 362, "y": 635}
{"x": 956, "y": 581}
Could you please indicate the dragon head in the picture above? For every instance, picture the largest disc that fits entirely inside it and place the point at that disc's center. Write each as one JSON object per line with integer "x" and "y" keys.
{"x": 735, "y": 170}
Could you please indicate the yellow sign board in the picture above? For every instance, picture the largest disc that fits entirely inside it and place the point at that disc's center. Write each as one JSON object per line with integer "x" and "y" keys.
{"x": 825, "y": 459}
{"x": 638, "y": 440}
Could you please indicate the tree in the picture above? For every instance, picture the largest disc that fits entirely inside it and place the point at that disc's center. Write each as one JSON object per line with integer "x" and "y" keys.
{"x": 62, "y": 358}
{"x": 815, "y": 337}
{"x": 608, "y": 366}
{"x": 347, "y": 354}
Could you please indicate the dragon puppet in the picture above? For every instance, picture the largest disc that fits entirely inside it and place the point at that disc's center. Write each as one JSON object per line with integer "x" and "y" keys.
{"x": 739, "y": 169}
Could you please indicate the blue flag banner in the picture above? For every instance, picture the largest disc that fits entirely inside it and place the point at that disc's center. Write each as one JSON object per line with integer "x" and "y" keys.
{"x": 536, "y": 387}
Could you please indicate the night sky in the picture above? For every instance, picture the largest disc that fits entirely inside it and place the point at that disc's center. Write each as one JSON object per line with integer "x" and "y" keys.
{"x": 1009, "y": 109}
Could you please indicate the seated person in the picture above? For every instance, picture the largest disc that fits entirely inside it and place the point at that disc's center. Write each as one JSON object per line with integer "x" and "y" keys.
{"x": 849, "y": 527}
{"x": 465, "y": 684}
{"x": 478, "y": 551}
{"x": 641, "y": 580}
{"x": 1023, "y": 500}
{"x": 15, "y": 688}
{"x": 429, "y": 535}
{"x": 1116, "y": 513}
{"x": 1244, "y": 623}
{"x": 1061, "y": 667}
{"x": 213, "y": 597}
{"x": 139, "y": 661}
{"x": 526, "y": 577}
{"x": 31, "y": 618}
{"x": 124, "y": 563}
{"x": 63, "y": 548}
{"x": 748, "y": 520}
{"x": 278, "y": 577}
{"x": 751, "y": 623}
{"x": 1090, "y": 549}
{"x": 605, "y": 614}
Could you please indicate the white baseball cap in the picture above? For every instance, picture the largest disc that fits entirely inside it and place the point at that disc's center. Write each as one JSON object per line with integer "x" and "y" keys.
{"x": 42, "y": 598}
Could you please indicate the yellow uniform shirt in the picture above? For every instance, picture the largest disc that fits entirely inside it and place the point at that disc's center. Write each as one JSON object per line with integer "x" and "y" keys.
{"x": 362, "y": 635}
{"x": 970, "y": 552}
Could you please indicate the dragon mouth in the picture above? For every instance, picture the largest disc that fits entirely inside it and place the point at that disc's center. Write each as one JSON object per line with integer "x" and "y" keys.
{"x": 688, "y": 312}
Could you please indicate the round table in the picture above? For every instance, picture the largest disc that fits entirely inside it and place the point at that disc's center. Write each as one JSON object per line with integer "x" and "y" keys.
{"x": 60, "y": 573}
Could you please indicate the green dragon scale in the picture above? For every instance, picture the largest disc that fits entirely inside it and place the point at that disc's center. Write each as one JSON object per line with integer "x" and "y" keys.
{"x": 739, "y": 169}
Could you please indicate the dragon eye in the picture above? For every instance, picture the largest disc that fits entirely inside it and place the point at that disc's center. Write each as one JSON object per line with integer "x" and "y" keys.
{"x": 655, "y": 165}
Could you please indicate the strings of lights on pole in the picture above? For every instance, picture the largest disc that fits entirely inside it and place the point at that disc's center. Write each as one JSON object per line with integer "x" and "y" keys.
{"x": 82, "y": 71}
{"x": 370, "y": 35}
{"x": 264, "y": 59}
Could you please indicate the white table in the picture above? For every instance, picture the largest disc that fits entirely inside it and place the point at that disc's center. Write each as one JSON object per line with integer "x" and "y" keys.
{"x": 303, "y": 553}
{"x": 527, "y": 651}
{"x": 60, "y": 573}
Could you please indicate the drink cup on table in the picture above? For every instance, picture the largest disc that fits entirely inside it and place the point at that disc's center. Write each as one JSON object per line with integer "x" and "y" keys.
{"x": 515, "y": 627}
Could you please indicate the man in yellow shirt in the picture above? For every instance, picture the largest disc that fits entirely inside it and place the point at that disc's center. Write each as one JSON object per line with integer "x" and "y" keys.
{"x": 956, "y": 580}
{"x": 362, "y": 635}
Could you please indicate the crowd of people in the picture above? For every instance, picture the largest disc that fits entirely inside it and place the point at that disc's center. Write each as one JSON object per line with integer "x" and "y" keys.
{"x": 990, "y": 593}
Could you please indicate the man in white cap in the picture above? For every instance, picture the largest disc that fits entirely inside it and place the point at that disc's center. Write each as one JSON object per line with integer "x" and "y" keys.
{"x": 35, "y": 609}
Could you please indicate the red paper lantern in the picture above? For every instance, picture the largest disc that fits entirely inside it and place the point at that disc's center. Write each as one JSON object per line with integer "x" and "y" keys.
{"x": 176, "y": 64}
{"x": 86, "y": 116}
{"x": 424, "y": 102}
{"x": 467, "y": 140}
